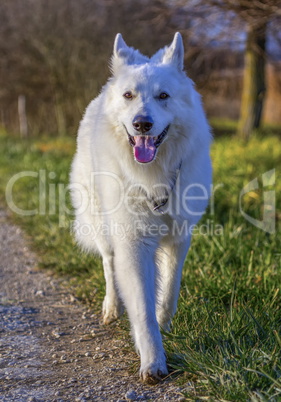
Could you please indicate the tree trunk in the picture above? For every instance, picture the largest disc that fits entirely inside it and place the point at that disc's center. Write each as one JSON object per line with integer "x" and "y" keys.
{"x": 253, "y": 92}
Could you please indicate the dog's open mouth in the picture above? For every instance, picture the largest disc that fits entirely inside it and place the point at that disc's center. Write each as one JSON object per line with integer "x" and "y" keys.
{"x": 145, "y": 146}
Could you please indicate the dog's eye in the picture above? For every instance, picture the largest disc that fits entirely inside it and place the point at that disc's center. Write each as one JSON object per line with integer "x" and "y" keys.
{"x": 164, "y": 95}
{"x": 128, "y": 95}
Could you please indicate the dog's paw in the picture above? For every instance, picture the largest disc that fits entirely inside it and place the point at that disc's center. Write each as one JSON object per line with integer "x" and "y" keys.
{"x": 111, "y": 312}
{"x": 110, "y": 317}
{"x": 164, "y": 319}
{"x": 165, "y": 325}
{"x": 152, "y": 374}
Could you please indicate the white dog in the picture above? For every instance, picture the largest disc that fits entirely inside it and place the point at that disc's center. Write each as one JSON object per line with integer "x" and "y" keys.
{"x": 140, "y": 181}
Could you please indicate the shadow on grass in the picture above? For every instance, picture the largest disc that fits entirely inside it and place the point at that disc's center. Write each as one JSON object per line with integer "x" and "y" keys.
{"x": 228, "y": 128}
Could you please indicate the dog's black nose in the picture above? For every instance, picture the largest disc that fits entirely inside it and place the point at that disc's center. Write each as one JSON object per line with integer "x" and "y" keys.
{"x": 143, "y": 123}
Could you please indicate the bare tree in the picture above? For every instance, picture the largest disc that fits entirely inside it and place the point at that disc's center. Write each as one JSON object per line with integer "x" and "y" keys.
{"x": 254, "y": 81}
{"x": 55, "y": 52}
{"x": 256, "y": 15}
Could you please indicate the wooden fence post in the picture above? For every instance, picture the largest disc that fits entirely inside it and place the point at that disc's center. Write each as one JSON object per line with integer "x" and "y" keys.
{"x": 22, "y": 116}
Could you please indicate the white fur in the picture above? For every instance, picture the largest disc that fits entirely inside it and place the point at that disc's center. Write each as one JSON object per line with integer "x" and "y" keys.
{"x": 113, "y": 194}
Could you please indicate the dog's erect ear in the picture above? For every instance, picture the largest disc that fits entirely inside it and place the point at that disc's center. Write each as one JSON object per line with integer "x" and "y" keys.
{"x": 121, "y": 54}
{"x": 174, "y": 54}
{"x": 125, "y": 55}
{"x": 120, "y": 49}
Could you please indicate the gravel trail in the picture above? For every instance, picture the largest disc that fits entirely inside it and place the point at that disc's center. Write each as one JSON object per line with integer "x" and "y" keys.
{"x": 52, "y": 348}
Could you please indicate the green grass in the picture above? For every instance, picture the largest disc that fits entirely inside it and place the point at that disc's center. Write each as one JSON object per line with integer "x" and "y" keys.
{"x": 226, "y": 337}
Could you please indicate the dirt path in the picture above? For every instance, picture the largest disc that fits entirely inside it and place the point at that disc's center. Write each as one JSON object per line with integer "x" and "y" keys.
{"x": 51, "y": 347}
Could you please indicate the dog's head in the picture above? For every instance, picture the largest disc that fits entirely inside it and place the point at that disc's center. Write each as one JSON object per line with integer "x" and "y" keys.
{"x": 148, "y": 95}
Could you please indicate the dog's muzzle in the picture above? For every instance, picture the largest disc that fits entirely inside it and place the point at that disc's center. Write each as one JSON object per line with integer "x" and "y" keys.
{"x": 145, "y": 146}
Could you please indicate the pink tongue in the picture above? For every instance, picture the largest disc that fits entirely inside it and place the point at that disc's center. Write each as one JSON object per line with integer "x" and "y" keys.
{"x": 144, "y": 149}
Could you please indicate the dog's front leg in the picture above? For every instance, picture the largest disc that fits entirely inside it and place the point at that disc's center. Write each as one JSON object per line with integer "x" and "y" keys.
{"x": 135, "y": 274}
{"x": 112, "y": 305}
{"x": 171, "y": 258}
